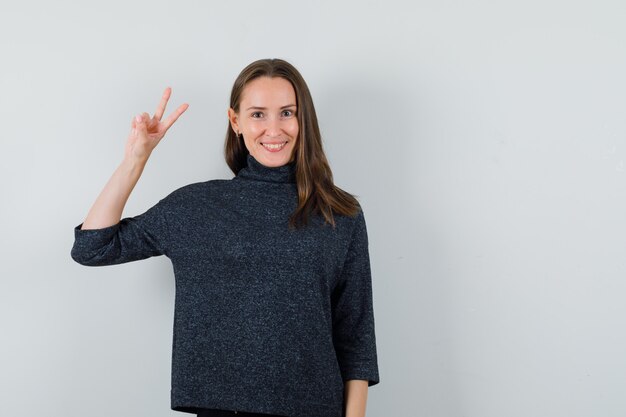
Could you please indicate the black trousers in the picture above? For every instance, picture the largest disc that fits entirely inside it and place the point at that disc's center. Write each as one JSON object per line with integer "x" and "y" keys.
{"x": 227, "y": 413}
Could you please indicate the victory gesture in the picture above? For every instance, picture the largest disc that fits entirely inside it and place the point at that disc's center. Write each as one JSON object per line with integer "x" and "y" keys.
{"x": 145, "y": 135}
{"x": 148, "y": 131}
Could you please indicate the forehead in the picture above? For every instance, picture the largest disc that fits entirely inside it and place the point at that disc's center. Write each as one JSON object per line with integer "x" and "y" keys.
{"x": 268, "y": 92}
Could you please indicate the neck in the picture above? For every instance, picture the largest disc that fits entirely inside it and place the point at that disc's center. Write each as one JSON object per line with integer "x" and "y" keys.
{"x": 258, "y": 172}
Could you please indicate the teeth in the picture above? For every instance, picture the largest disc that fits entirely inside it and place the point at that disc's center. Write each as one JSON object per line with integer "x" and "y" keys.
{"x": 274, "y": 146}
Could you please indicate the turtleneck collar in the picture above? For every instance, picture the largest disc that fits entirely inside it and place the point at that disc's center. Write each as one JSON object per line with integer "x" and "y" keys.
{"x": 259, "y": 172}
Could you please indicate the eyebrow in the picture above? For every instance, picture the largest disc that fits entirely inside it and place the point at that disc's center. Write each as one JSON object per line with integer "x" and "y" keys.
{"x": 264, "y": 108}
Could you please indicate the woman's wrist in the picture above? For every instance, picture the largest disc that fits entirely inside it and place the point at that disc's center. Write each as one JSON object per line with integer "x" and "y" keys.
{"x": 133, "y": 165}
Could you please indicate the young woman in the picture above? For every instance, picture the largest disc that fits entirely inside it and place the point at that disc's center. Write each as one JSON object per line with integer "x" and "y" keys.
{"x": 273, "y": 312}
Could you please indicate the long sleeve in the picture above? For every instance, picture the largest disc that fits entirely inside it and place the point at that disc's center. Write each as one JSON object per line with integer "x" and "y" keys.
{"x": 131, "y": 239}
{"x": 353, "y": 313}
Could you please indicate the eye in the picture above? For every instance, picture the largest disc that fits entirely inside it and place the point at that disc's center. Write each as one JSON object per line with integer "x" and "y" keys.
{"x": 287, "y": 113}
{"x": 256, "y": 115}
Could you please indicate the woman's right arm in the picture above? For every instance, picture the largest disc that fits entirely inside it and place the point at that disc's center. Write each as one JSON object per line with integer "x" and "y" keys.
{"x": 104, "y": 238}
{"x": 145, "y": 135}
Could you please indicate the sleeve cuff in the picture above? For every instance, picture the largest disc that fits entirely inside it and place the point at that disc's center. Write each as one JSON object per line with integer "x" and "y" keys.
{"x": 95, "y": 237}
{"x": 362, "y": 373}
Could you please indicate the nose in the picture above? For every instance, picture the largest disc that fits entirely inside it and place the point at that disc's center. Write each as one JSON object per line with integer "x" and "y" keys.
{"x": 273, "y": 128}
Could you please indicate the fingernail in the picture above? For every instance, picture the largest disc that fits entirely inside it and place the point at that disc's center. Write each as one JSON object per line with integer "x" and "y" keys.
{"x": 138, "y": 118}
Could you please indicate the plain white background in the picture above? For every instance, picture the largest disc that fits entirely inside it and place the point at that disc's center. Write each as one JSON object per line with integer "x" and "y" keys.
{"x": 485, "y": 140}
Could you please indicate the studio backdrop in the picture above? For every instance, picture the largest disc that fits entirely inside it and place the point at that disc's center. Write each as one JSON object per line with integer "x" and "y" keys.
{"x": 485, "y": 141}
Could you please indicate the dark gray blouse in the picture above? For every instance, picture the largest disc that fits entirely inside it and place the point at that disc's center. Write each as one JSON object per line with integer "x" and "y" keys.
{"x": 266, "y": 319}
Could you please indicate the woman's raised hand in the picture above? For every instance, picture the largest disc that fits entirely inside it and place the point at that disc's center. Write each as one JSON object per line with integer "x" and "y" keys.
{"x": 148, "y": 131}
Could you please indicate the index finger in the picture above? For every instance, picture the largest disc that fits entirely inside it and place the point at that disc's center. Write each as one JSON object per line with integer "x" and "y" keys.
{"x": 174, "y": 116}
{"x": 161, "y": 107}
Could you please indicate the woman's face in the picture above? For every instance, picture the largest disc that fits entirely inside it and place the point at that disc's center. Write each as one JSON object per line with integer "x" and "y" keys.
{"x": 267, "y": 120}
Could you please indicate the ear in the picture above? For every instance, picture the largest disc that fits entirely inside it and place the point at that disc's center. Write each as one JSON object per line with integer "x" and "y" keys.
{"x": 234, "y": 120}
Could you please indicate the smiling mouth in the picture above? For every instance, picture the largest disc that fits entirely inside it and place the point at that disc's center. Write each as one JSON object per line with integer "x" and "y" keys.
{"x": 274, "y": 147}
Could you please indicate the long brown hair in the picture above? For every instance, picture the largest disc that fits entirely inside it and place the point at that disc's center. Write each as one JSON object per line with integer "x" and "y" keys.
{"x": 317, "y": 194}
